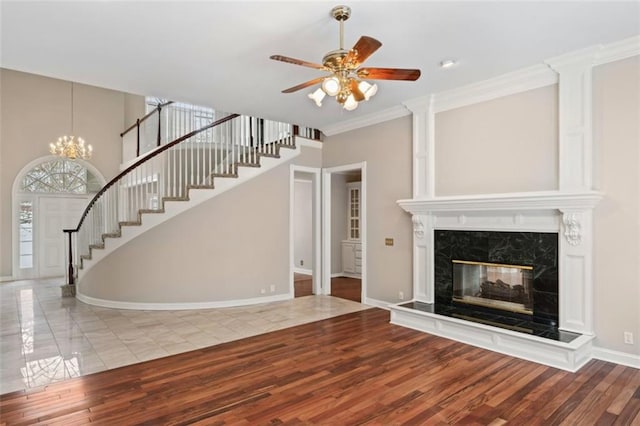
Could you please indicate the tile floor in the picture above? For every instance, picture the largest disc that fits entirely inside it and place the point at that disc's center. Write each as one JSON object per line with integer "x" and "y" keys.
{"x": 46, "y": 338}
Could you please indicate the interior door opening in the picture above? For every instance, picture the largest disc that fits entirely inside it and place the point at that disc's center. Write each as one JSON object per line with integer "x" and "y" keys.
{"x": 344, "y": 231}
{"x": 305, "y": 231}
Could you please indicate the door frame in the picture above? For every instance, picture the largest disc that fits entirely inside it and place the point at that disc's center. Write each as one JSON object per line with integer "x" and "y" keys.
{"x": 326, "y": 224}
{"x": 316, "y": 226}
{"x": 17, "y": 196}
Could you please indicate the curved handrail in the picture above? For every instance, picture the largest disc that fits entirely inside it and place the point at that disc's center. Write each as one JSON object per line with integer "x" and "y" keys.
{"x": 143, "y": 160}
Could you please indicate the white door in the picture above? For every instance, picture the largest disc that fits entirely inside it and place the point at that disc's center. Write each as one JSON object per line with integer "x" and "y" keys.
{"x": 54, "y": 215}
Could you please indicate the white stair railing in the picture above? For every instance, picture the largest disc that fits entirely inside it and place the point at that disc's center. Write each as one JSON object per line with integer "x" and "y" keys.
{"x": 168, "y": 172}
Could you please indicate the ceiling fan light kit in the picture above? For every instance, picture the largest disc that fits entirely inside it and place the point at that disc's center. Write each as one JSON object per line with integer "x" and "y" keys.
{"x": 346, "y": 81}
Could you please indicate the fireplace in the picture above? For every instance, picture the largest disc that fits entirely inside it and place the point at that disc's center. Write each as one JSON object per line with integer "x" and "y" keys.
{"x": 551, "y": 232}
{"x": 509, "y": 274}
{"x": 493, "y": 285}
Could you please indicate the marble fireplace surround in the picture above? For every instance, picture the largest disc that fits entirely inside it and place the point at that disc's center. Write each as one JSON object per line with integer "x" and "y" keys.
{"x": 567, "y": 213}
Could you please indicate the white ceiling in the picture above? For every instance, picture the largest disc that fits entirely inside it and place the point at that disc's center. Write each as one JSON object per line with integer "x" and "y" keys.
{"x": 216, "y": 53}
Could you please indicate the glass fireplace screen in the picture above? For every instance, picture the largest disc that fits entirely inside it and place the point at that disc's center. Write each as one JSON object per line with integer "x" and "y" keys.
{"x": 493, "y": 285}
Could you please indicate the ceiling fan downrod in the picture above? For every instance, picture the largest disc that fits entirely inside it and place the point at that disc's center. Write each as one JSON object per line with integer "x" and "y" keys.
{"x": 341, "y": 14}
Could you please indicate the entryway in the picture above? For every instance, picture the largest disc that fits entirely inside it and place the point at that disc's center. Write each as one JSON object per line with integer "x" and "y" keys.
{"x": 49, "y": 195}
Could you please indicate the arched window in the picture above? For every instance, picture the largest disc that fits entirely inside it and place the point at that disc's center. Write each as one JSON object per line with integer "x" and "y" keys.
{"x": 60, "y": 176}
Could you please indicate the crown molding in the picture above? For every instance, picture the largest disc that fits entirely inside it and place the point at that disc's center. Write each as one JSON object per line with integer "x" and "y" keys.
{"x": 367, "y": 120}
{"x": 619, "y": 50}
{"x": 522, "y": 80}
{"x": 529, "y": 78}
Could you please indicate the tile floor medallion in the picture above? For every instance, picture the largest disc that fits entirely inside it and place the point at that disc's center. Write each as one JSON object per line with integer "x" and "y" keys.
{"x": 46, "y": 338}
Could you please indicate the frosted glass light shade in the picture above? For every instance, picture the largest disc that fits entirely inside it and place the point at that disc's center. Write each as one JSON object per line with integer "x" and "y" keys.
{"x": 331, "y": 86}
{"x": 367, "y": 89}
{"x": 350, "y": 104}
{"x": 317, "y": 96}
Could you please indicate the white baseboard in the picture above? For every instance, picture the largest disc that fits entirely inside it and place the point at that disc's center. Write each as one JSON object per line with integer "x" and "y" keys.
{"x": 377, "y": 303}
{"x": 144, "y": 306}
{"x": 6, "y": 279}
{"x": 303, "y": 271}
{"x": 337, "y": 274}
{"x": 617, "y": 357}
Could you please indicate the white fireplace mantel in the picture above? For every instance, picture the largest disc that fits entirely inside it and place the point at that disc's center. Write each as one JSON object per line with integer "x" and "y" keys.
{"x": 520, "y": 201}
{"x": 567, "y": 213}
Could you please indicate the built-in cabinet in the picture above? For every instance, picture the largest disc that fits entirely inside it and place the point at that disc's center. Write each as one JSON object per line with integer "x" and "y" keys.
{"x": 352, "y": 257}
{"x": 351, "y": 247}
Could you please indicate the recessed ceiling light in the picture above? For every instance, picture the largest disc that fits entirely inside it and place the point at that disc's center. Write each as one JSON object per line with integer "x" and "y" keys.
{"x": 448, "y": 63}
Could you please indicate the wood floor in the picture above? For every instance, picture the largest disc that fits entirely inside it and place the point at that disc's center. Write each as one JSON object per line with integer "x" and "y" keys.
{"x": 343, "y": 287}
{"x": 352, "y": 369}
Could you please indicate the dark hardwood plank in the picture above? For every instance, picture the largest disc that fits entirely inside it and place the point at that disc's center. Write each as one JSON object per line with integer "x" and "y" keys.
{"x": 346, "y": 288}
{"x": 352, "y": 369}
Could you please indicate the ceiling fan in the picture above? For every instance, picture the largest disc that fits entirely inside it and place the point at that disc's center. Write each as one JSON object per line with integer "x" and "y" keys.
{"x": 346, "y": 80}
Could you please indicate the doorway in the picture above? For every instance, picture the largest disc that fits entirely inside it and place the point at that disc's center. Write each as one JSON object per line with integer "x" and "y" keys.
{"x": 49, "y": 195}
{"x": 305, "y": 224}
{"x": 344, "y": 239}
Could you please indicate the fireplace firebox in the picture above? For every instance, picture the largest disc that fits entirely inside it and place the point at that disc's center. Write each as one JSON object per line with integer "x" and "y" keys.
{"x": 493, "y": 285}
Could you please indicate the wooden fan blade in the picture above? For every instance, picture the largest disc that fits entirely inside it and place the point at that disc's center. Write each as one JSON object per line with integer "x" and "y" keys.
{"x": 388, "y": 74}
{"x": 364, "y": 48}
{"x": 303, "y": 85}
{"x": 296, "y": 62}
{"x": 355, "y": 90}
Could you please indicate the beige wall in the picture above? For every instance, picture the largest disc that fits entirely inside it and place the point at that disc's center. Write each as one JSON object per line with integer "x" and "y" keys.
{"x": 617, "y": 217}
{"x": 503, "y": 145}
{"x": 227, "y": 248}
{"x": 386, "y": 148}
{"x": 338, "y": 219}
{"x": 303, "y": 222}
{"x": 35, "y": 111}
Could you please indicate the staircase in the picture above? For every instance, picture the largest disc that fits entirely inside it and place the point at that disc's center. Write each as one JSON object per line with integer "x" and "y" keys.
{"x": 172, "y": 178}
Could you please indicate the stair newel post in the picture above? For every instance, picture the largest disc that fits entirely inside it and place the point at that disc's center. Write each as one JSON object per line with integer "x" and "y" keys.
{"x": 70, "y": 272}
{"x": 137, "y": 138}
{"x": 159, "y": 139}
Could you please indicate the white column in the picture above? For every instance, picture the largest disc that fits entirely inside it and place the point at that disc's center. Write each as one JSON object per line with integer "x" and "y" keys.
{"x": 575, "y": 137}
{"x": 423, "y": 188}
{"x": 575, "y": 160}
{"x": 423, "y": 147}
{"x": 576, "y": 272}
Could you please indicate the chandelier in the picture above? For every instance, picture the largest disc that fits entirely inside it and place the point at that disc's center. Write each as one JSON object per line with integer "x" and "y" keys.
{"x": 71, "y": 147}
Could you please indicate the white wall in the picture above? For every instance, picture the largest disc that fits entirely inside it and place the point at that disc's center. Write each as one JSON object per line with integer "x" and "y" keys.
{"x": 303, "y": 223}
{"x": 617, "y": 218}
{"x": 509, "y": 144}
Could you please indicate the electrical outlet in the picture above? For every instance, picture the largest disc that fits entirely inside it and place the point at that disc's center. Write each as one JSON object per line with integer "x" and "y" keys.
{"x": 263, "y": 291}
{"x": 628, "y": 337}
{"x": 401, "y": 295}
{"x": 301, "y": 262}
{"x": 272, "y": 288}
